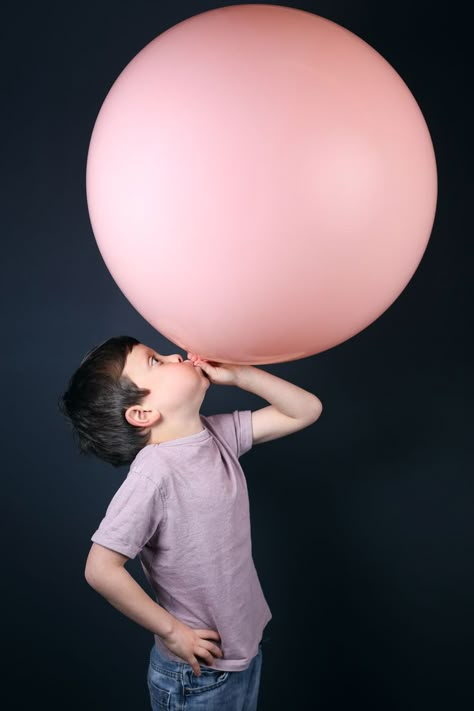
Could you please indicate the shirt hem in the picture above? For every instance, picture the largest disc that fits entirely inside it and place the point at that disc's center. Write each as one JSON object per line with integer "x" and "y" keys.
{"x": 114, "y": 545}
{"x": 219, "y": 665}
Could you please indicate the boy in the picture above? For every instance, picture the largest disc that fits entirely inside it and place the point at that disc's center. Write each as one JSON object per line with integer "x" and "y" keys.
{"x": 183, "y": 508}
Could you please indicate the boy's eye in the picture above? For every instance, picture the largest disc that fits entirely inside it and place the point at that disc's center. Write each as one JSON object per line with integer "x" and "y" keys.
{"x": 153, "y": 358}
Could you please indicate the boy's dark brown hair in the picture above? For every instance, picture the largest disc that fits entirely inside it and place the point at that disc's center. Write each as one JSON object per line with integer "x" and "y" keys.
{"x": 94, "y": 404}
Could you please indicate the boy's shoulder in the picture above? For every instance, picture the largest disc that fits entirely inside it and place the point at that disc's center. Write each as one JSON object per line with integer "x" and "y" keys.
{"x": 147, "y": 463}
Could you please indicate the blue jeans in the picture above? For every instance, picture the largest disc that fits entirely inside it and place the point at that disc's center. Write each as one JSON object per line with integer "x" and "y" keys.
{"x": 174, "y": 687}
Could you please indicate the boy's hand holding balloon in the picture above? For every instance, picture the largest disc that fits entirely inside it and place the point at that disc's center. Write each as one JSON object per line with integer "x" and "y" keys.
{"x": 217, "y": 373}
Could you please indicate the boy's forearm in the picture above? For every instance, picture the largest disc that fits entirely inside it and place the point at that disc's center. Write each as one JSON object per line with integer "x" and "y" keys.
{"x": 125, "y": 594}
{"x": 288, "y": 398}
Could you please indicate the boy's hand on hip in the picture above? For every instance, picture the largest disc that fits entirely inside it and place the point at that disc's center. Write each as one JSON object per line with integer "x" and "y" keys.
{"x": 217, "y": 373}
{"x": 189, "y": 643}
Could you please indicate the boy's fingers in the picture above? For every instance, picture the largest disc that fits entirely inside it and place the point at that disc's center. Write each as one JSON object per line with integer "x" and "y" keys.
{"x": 208, "y": 633}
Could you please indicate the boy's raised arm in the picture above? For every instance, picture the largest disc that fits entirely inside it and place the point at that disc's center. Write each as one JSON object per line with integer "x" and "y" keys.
{"x": 289, "y": 399}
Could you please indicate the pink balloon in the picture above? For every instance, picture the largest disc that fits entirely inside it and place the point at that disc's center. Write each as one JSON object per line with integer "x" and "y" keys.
{"x": 261, "y": 184}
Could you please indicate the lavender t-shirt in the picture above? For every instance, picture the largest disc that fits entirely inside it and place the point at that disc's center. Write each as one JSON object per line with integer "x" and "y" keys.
{"x": 184, "y": 509}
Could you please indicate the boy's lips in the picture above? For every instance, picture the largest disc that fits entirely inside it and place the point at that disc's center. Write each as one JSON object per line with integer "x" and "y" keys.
{"x": 196, "y": 366}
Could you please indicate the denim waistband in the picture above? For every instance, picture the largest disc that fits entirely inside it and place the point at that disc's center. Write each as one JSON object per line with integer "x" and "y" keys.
{"x": 176, "y": 669}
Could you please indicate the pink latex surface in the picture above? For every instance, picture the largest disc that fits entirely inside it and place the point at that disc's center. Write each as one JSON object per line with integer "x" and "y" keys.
{"x": 261, "y": 184}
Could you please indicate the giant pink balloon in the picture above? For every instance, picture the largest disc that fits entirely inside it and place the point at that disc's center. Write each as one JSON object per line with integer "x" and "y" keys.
{"x": 261, "y": 184}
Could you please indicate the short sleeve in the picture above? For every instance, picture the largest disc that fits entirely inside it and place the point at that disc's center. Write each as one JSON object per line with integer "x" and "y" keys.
{"x": 132, "y": 517}
{"x": 235, "y": 428}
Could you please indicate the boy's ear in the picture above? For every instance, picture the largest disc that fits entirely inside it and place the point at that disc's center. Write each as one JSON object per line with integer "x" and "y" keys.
{"x": 139, "y": 417}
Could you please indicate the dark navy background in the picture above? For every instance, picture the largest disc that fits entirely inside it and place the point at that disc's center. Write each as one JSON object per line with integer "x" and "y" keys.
{"x": 363, "y": 532}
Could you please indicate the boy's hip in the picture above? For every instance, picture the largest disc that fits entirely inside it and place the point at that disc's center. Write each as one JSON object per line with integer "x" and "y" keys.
{"x": 170, "y": 682}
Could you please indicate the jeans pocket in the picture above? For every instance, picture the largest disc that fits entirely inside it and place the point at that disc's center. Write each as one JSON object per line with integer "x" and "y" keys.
{"x": 162, "y": 685}
{"x": 160, "y": 696}
{"x": 208, "y": 680}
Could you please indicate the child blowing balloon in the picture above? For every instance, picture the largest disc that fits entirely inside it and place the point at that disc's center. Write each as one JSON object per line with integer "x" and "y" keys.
{"x": 183, "y": 509}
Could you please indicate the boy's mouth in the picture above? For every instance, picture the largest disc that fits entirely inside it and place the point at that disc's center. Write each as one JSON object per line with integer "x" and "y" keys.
{"x": 203, "y": 372}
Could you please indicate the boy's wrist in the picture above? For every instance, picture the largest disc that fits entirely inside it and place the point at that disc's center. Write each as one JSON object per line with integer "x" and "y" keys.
{"x": 168, "y": 625}
{"x": 242, "y": 373}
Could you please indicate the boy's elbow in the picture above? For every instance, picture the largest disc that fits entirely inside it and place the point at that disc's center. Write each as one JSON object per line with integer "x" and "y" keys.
{"x": 96, "y": 577}
{"x": 318, "y": 408}
{"x": 91, "y": 576}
